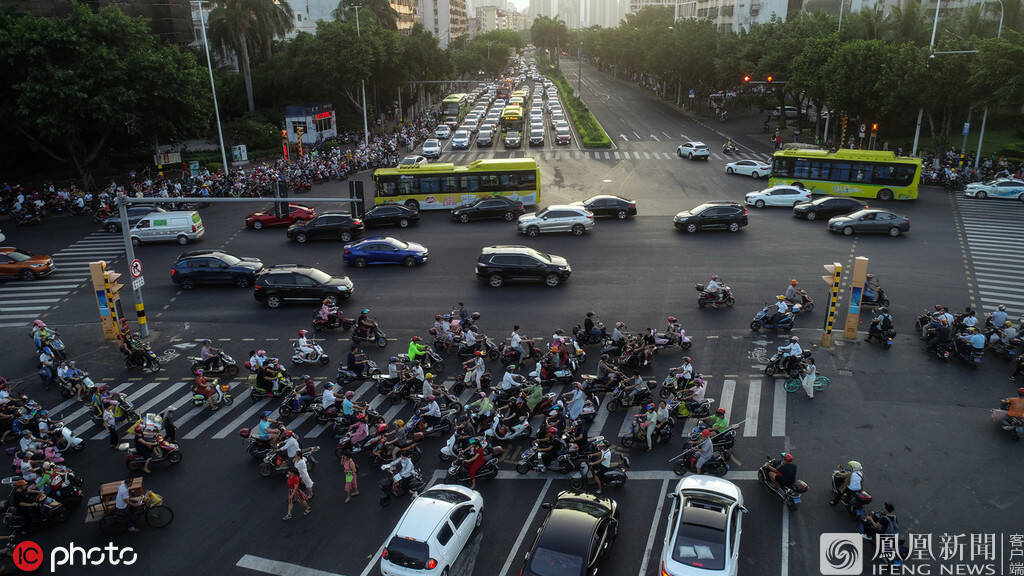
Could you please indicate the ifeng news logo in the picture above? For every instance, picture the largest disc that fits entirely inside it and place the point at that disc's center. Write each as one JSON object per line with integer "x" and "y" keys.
{"x": 840, "y": 553}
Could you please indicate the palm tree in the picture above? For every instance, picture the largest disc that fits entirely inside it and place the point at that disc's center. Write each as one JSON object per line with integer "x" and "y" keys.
{"x": 386, "y": 15}
{"x": 242, "y": 25}
{"x": 907, "y": 23}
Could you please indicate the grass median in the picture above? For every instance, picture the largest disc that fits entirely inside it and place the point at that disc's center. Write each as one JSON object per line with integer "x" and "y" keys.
{"x": 592, "y": 135}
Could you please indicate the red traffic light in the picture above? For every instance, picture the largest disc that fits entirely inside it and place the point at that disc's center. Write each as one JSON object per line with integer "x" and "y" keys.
{"x": 874, "y": 127}
{"x": 746, "y": 78}
{"x": 769, "y": 79}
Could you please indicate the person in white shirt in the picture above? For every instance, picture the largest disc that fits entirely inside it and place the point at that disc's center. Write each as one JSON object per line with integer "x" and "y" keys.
{"x": 328, "y": 398}
{"x": 304, "y": 345}
{"x": 300, "y": 466}
{"x": 123, "y": 504}
{"x": 291, "y": 445}
{"x": 510, "y": 380}
{"x": 516, "y": 342}
{"x": 791, "y": 352}
{"x": 781, "y": 309}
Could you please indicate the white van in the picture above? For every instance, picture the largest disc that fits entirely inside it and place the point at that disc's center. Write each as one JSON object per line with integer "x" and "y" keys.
{"x": 181, "y": 227}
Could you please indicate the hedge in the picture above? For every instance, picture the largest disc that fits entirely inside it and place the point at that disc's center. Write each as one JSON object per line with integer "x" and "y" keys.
{"x": 591, "y": 133}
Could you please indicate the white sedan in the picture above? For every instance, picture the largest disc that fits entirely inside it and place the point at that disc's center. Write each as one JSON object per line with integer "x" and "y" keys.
{"x": 432, "y": 532}
{"x": 443, "y": 132}
{"x": 752, "y": 168}
{"x": 783, "y": 195}
{"x": 432, "y": 148}
{"x": 1005, "y": 188}
{"x": 704, "y": 528}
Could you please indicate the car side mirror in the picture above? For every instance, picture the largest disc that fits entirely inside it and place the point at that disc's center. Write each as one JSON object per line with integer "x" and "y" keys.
{"x": 546, "y": 505}
{"x": 744, "y": 510}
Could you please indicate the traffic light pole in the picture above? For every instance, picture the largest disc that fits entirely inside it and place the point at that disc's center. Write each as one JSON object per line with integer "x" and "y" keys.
{"x": 126, "y": 232}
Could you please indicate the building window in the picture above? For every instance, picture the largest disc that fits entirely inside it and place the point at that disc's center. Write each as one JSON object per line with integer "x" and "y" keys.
{"x": 325, "y": 124}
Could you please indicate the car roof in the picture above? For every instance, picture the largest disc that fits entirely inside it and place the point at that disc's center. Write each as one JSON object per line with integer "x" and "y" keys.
{"x": 710, "y": 484}
{"x": 507, "y": 249}
{"x": 202, "y": 253}
{"x": 604, "y": 197}
{"x": 290, "y": 268}
{"x": 563, "y": 207}
{"x": 421, "y": 518}
{"x": 568, "y": 531}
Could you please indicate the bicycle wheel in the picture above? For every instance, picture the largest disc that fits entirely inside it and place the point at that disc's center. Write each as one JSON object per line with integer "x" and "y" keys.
{"x": 792, "y": 384}
{"x": 821, "y": 383}
{"x": 159, "y": 516}
{"x": 112, "y": 525}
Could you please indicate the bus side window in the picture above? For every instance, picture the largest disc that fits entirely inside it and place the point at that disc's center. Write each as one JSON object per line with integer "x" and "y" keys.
{"x": 509, "y": 182}
{"x": 884, "y": 174}
{"x": 386, "y": 186}
{"x": 408, "y": 185}
{"x": 527, "y": 180}
{"x": 449, "y": 185}
{"x": 802, "y": 168}
{"x": 862, "y": 173}
{"x": 489, "y": 183}
{"x": 470, "y": 184}
{"x": 840, "y": 172}
{"x": 903, "y": 175}
{"x": 430, "y": 185}
{"x": 819, "y": 169}
{"x": 783, "y": 167}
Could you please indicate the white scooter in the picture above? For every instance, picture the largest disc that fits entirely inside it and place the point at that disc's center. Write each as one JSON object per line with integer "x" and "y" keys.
{"x": 67, "y": 441}
{"x": 519, "y": 430}
{"x": 317, "y": 356}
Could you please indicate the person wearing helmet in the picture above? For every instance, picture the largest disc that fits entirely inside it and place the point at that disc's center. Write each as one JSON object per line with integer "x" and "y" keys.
{"x": 474, "y": 461}
{"x": 1014, "y": 410}
{"x": 975, "y": 339}
{"x": 416, "y": 349}
{"x": 209, "y": 356}
{"x": 717, "y": 422}
{"x": 263, "y": 429}
{"x": 593, "y": 327}
{"x": 511, "y": 380}
{"x": 705, "y": 450}
{"x": 365, "y": 324}
{"x": 207, "y": 388}
{"x": 651, "y": 420}
{"x": 714, "y": 287}
{"x": 792, "y": 292}
{"x": 674, "y": 331}
{"x": 46, "y": 365}
{"x": 791, "y": 353}
{"x": 693, "y": 395}
{"x": 575, "y": 400}
{"x": 847, "y": 481}
{"x": 997, "y": 318}
{"x": 519, "y": 344}
{"x": 290, "y": 447}
{"x": 599, "y": 458}
{"x": 941, "y": 336}
{"x": 783, "y": 475}
{"x": 880, "y": 325}
{"x": 431, "y": 411}
{"x": 1005, "y": 332}
{"x": 872, "y": 288}
{"x": 304, "y": 393}
{"x": 607, "y": 372}
{"x": 684, "y": 372}
{"x": 618, "y": 335}
{"x": 484, "y": 406}
{"x": 781, "y": 309}
{"x": 470, "y": 340}
{"x": 549, "y": 446}
{"x": 328, "y": 312}
{"x": 304, "y": 345}
{"x": 474, "y": 369}
{"x": 328, "y": 400}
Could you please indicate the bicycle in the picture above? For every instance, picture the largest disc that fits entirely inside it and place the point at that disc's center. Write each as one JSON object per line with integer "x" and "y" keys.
{"x": 794, "y": 384}
{"x": 156, "y": 515}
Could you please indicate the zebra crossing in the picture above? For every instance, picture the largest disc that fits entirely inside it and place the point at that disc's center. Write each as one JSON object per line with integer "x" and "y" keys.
{"x": 22, "y": 301}
{"x": 602, "y": 155}
{"x": 762, "y": 414}
{"x": 991, "y": 231}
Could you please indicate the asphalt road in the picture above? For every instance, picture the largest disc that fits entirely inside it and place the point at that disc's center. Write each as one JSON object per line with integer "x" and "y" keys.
{"x": 920, "y": 428}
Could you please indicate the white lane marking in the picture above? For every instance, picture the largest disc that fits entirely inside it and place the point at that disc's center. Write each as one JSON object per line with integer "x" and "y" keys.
{"x": 132, "y": 398}
{"x": 24, "y": 287}
{"x": 784, "y": 569}
{"x": 647, "y": 156}
{"x": 654, "y": 528}
{"x": 779, "y": 408}
{"x": 217, "y": 415}
{"x": 268, "y": 566}
{"x": 526, "y": 526}
{"x": 728, "y": 391}
{"x": 616, "y": 155}
{"x": 753, "y": 407}
{"x": 152, "y": 402}
{"x": 234, "y": 424}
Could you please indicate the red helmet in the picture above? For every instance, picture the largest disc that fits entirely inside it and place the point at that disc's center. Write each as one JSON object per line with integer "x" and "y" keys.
{"x": 720, "y": 411}
{"x": 288, "y": 433}
{"x": 360, "y": 416}
{"x": 673, "y": 319}
{"x": 552, "y": 430}
{"x": 793, "y": 282}
{"x": 415, "y": 338}
{"x": 302, "y": 332}
{"x": 382, "y": 428}
{"x": 437, "y": 316}
{"x": 787, "y": 457}
{"x": 1020, "y": 391}
{"x": 478, "y": 353}
{"x": 706, "y": 433}
{"x": 938, "y": 306}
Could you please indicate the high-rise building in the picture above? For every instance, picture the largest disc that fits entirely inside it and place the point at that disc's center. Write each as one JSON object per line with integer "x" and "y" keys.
{"x": 569, "y": 12}
{"x": 446, "y": 19}
{"x": 308, "y": 12}
{"x": 170, "y": 20}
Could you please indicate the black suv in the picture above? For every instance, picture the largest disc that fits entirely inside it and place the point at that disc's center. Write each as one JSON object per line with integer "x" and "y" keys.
{"x": 296, "y": 282}
{"x": 712, "y": 216}
{"x": 500, "y": 264}
{"x": 333, "y": 225}
{"x": 214, "y": 267}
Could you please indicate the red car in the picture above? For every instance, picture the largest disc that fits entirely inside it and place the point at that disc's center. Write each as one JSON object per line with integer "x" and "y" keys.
{"x": 268, "y": 218}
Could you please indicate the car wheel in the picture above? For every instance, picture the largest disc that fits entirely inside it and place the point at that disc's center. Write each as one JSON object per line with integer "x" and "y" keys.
{"x": 691, "y": 228}
{"x": 412, "y": 204}
{"x": 981, "y": 195}
{"x": 532, "y": 231}
{"x": 301, "y": 238}
{"x": 894, "y": 231}
{"x": 112, "y": 228}
{"x": 346, "y": 236}
{"x": 848, "y": 231}
{"x": 885, "y": 194}
{"x": 242, "y": 281}
{"x": 136, "y": 242}
{"x": 403, "y": 223}
{"x": 759, "y": 204}
{"x": 257, "y": 225}
{"x": 464, "y": 218}
{"x": 1021, "y": 197}
{"x": 797, "y": 203}
{"x": 188, "y": 284}
{"x": 578, "y": 230}
{"x": 734, "y": 227}
{"x": 812, "y": 215}
{"x": 621, "y": 215}
{"x": 273, "y": 301}
{"x": 359, "y": 262}
{"x": 755, "y": 175}
{"x": 182, "y": 240}
{"x": 679, "y": 152}
{"x": 409, "y": 261}
{"x": 27, "y": 275}
{"x": 495, "y": 281}
{"x": 728, "y": 170}
{"x": 552, "y": 280}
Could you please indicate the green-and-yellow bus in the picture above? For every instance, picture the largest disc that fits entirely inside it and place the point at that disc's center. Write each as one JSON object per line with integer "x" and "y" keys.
{"x": 445, "y": 186}
{"x": 512, "y": 118}
{"x": 860, "y": 173}
{"x": 454, "y": 108}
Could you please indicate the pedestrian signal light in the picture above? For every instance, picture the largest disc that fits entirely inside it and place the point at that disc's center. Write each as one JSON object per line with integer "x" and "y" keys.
{"x": 769, "y": 79}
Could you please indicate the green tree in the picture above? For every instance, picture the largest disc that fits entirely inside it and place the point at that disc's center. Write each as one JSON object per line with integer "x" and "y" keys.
{"x": 549, "y": 33}
{"x": 386, "y": 16}
{"x": 69, "y": 83}
{"x": 244, "y": 25}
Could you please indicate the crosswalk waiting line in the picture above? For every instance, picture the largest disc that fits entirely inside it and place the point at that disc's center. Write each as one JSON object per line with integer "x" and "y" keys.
{"x": 753, "y": 408}
{"x": 992, "y": 240}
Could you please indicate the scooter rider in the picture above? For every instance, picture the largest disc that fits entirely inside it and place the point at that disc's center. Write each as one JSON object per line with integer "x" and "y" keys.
{"x": 791, "y": 353}
{"x": 416, "y": 349}
{"x": 871, "y": 287}
{"x": 356, "y": 361}
{"x": 633, "y": 386}
{"x": 365, "y": 324}
{"x": 975, "y": 339}
{"x": 694, "y": 395}
{"x": 852, "y": 480}
{"x": 405, "y": 470}
{"x": 327, "y": 311}
{"x": 714, "y": 287}
{"x": 590, "y": 326}
{"x": 942, "y": 337}
{"x": 1014, "y": 408}
{"x": 305, "y": 394}
{"x": 880, "y": 325}
{"x": 785, "y": 475}
{"x": 941, "y": 313}
{"x": 511, "y": 380}
{"x": 705, "y": 450}
{"x": 305, "y": 345}
{"x": 718, "y": 422}
{"x": 1004, "y": 333}
{"x": 600, "y": 461}
{"x": 210, "y": 356}
{"x": 328, "y": 399}
{"x": 792, "y": 292}
{"x": 781, "y": 309}
{"x": 607, "y": 371}
{"x": 431, "y": 413}
{"x": 685, "y": 370}
{"x": 516, "y": 343}
{"x": 998, "y": 318}
{"x": 474, "y": 368}
{"x": 207, "y": 389}
{"x": 264, "y": 430}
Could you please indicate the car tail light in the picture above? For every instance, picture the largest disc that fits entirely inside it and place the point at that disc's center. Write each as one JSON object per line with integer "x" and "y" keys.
{"x": 173, "y": 271}
{"x": 193, "y": 227}
{"x": 357, "y": 222}
{"x": 590, "y": 216}
{"x": 384, "y": 553}
{"x": 744, "y": 211}
{"x": 347, "y": 251}
{"x": 257, "y": 287}
{"x": 431, "y": 564}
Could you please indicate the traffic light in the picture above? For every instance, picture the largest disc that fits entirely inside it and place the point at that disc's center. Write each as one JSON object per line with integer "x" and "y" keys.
{"x": 874, "y": 127}
{"x": 769, "y": 79}
{"x": 833, "y": 270}
{"x": 746, "y": 79}
{"x": 111, "y": 284}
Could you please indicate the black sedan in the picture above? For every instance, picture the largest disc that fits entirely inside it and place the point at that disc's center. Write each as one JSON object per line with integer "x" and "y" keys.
{"x": 390, "y": 215}
{"x": 607, "y": 205}
{"x": 577, "y": 533}
{"x": 870, "y": 221}
{"x": 827, "y": 207}
{"x": 333, "y": 226}
{"x": 489, "y": 208}
{"x": 214, "y": 267}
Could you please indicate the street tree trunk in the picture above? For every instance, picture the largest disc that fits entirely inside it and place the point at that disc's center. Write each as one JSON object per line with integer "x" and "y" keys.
{"x": 244, "y": 64}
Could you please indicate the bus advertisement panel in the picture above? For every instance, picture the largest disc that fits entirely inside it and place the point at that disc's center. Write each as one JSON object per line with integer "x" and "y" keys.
{"x": 445, "y": 186}
{"x": 860, "y": 173}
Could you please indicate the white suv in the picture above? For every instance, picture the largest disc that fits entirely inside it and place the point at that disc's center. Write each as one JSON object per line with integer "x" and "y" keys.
{"x": 432, "y": 532}
{"x": 693, "y": 150}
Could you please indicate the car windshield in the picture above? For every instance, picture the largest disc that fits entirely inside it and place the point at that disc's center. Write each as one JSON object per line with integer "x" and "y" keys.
{"x": 587, "y": 507}
{"x": 18, "y": 256}
{"x": 858, "y": 214}
{"x": 319, "y": 276}
{"x": 408, "y": 553}
{"x": 543, "y": 213}
{"x": 450, "y": 496}
{"x": 547, "y": 562}
{"x": 229, "y": 260}
{"x": 700, "y": 547}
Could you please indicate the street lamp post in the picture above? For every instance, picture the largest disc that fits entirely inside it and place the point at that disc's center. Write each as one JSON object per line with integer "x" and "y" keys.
{"x": 842, "y": 3}
{"x": 362, "y": 82}
{"x": 931, "y": 54}
{"x": 213, "y": 87}
{"x": 579, "y": 72}
{"x": 984, "y": 116}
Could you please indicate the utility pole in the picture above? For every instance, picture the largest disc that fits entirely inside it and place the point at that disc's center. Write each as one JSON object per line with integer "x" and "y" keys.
{"x": 579, "y": 73}
{"x": 931, "y": 50}
{"x": 984, "y": 115}
{"x": 362, "y": 82}
{"x": 213, "y": 88}
{"x": 126, "y": 232}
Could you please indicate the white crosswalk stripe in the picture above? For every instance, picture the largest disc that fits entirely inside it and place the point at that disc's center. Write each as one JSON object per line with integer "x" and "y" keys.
{"x": 22, "y": 301}
{"x": 991, "y": 231}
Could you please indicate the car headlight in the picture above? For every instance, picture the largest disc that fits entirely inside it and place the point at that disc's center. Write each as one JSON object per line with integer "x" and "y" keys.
{"x": 37, "y": 265}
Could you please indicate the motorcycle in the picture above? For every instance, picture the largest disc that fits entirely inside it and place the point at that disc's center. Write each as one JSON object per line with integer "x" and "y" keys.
{"x": 879, "y": 300}
{"x": 273, "y": 462}
{"x": 728, "y": 149}
{"x": 884, "y": 337}
{"x": 145, "y": 359}
{"x": 805, "y": 301}
{"x": 346, "y": 376}
{"x": 1015, "y": 426}
{"x": 28, "y": 218}
{"x": 790, "y": 495}
{"x": 707, "y": 298}
{"x": 484, "y": 344}
{"x": 775, "y": 364}
{"x": 616, "y": 476}
{"x": 593, "y": 385}
{"x": 124, "y": 410}
{"x": 503, "y": 432}
{"x": 394, "y": 486}
{"x": 56, "y": 345}
{"x": 963, "y": 350}
{"x": 1006, "y": 350}
{"x": 511, "y": 355}
{"x": 347, "y": 447}
{"x": 442, "y": 428}
{"x": 431, "y": 361}
{"x": 853, "y": 502}
{"x": 64, "y": 438}
{"x": 291, "y": 405}
{"x": 621, "y": 400}
{"x": 665, "y": 339}
{"x": 564, "y": 463}
{"x": 717, "y": 465}
{"x": 255, "y": 446}
{"x": 168, "y": 452}
{"x": 48, "y": 511}
{"x": 375, "y": 335}
{"x": 723, "y": 441}
{"x": 223, "y": 365}
{"x": 382, "y": 454}
{"x": 333, "y": 320}
{"x": 763, "y": 319}
{"x": 585, "y": 337}
{"x": 221, "y": 390}
{"x": 637, "y": 433}
{"x": 317, "y": 356}
{"x": 458, "y": 474}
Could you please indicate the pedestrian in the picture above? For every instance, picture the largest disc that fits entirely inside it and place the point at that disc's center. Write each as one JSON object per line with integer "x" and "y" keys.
{"x": 810, "y": 374}
{"x": 295, "y": 493}
{"x": 351, "y": 483}
{"x": 170, "y": 430}
{"x": 300, "y": 466}
{"x": 110, "y": 425}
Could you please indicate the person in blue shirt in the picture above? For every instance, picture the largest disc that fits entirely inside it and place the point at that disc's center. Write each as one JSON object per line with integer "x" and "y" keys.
{"x": 975, "y": 339}
{"x": 264, "y": 430}
{"x": 348, "y": 407}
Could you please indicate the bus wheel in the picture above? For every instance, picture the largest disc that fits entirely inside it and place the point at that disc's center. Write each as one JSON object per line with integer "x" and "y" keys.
{"x": 412, "y": 205}
{"x": 885, "y": 194}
